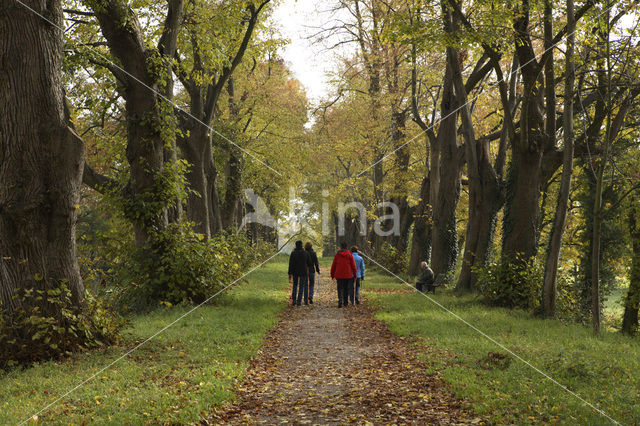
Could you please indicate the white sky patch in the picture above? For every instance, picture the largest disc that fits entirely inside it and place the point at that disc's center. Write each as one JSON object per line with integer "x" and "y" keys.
{"x": 311, "y": 63}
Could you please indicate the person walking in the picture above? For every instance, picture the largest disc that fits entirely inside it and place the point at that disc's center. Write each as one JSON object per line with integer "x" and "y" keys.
{"x": 343, "y": 269}
{"x": 299, "y": 265}
{"x": 359, "y": 276}
{"x": 315, "y": 267}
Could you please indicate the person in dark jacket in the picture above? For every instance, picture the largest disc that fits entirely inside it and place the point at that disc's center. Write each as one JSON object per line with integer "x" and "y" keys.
{"x": 299, "y": 265}
{"x": 343, "y": 269}
{"x": 425, "y": 280}
{"x": 315, "y": 267}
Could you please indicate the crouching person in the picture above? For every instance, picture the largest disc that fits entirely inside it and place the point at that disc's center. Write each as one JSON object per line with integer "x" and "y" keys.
{"x": 426, "y": 278}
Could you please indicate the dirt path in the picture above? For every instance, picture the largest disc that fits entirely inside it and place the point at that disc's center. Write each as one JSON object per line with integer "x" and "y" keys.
{"x": 324, "y": 365}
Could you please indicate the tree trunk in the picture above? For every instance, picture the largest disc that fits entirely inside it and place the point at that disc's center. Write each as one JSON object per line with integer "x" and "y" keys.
{"x": 434, "y": 176}
{"x": 197, "y": 208}
{"x": 399, "y": 198}
{"x": 233, "y": 189}
{"x": 148, "y": 115}
{"x": 544, "y": 201}
{"x": 233, "y": 173}
{"x": 484, "y": 188}
{"x": 421, "y": 239}
{"x": 145, "y": 154}
{"x": 215, "y": 203}
{"x": 595, "y": 254}
{"x": 522, "y": 206}
{"x": 485, "y": 200}
{"x": 203, "y": 201}
{"x": 41, "y": 161}
{"x": 352, "y": 231}
{"x": 549, "y": 288}
{"x": 377, "y": 180}
{"x": 604, "y": 78}
{"x": 587, "y": 203}
{"x": 167, "y": 46}
{"x": 630, "y": 318}
{"x": 332, "y": 240}
{"x": 596, "y": 241}
{"x": 522, "y": 197}
{"x": 370, "y": 47}
{"x": 444, "y": 237}
{"x": 524, "y": 181}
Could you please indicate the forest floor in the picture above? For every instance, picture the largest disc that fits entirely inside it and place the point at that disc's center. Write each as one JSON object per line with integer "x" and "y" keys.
{"x": 324, "y": 365}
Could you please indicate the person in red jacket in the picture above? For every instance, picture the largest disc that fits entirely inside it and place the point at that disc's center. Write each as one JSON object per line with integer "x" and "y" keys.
{"x": 343, "y": 269}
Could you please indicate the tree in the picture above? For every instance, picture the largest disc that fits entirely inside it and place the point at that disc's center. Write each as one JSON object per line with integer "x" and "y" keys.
{"x": 144, "y": 73}
{"x": 421, "y": 238}
{"x": 615, "y": 114}
{"x": 205, "y": 80}
{"x": 549, "y": 288}
{"x": 485, "y": 179}
{"x": 534, "y": 155}
{"x": 379, "y": 74}
{"x": 41, "y": 164}
{"x": 423, "y": 212}
{"x": 446, "y": 177}
{"x": 265, "y": 113}
{"x": 632, "y": 301}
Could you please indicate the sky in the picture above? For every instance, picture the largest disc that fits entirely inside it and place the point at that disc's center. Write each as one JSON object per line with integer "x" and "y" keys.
{"x": 310, "y": 62}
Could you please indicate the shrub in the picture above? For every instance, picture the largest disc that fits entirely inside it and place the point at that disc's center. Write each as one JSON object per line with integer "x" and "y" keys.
{"x": 262, "y": 250}
{"x": 568, "y": 297}
{"x": 511, "y": 285}
{"x": 180, "y": 266}
{"x": 34, "y": 335}
{"x": 393, "y": 259}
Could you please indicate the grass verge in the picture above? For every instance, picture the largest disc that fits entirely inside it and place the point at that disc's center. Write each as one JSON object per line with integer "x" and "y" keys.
{"x": 603, "y": 370}
{"x": 178, "y": 377}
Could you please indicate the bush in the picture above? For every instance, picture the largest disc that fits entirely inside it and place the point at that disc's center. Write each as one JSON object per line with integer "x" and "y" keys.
{"x": 510, "y": 285}
{"x": 263, "y": 250}
{"x": 513, "y": 287}
{"x": 567, "y": 298}
{"x": 34, "y": 335}
{"x": 178, "y": 266}
{"x": 393, "y": 259}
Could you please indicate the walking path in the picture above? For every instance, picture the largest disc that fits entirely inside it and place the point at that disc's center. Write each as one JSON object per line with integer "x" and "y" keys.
{"x": 324, "y": 365}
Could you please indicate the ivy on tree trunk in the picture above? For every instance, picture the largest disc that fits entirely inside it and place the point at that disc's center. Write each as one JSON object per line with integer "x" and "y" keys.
{"x": 41, "y": 163}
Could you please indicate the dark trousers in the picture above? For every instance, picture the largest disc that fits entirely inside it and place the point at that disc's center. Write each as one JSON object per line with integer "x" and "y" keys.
{"x": 312, "y": 283}
{"x": 299, "y": 286}
{"x": 357, "y": 290}
{"x": 343, "y": 290}
{"x": 425, "y": 287}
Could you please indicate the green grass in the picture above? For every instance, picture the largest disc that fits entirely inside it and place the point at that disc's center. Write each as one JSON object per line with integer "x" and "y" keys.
{"x": 178, "y": 377}
{"x": 614, "y": 303}
{"x": 604, "y": 371}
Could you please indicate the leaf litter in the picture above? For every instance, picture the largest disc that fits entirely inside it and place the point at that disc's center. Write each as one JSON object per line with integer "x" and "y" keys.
{"x": 324, "y": 365}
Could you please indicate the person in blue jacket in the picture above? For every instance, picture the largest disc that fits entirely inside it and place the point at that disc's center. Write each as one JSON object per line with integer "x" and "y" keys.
{"x": 355, "y": 292}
